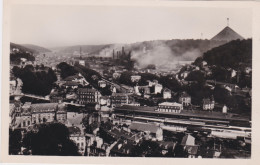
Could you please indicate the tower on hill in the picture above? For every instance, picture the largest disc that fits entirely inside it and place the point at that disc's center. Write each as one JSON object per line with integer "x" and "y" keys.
{"x": 227, "y": 34}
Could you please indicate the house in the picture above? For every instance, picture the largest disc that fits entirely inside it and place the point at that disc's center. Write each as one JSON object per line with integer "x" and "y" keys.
{"x": 166, "y": 146}
{"x": 204, "y": 63}
{"x": 248, "y": 70}
{"x": 43, "y": 112}
{"x": 170, "y": 107}
{"x": 142, "y": 90}
{"x": 71, "y": 84}
{"x": 188, "y": 140}
{"x": 104, "y": 113}
{"x": 24, "y": 118}
{"x": 113, "y": 89}
{"x": 152, "y": 83}
{"x": 93, "y": 143}
{"x": 119, "y": 99}
{"x": 224, "y": 109}
{"x": 135, "y": 78}
{"x": 122, "y": 148}
{"x": 102, "y": 84}
{"x": 167, "y": 93}
{"x": 208, "y": 104}
{"x": 184, "y": 74}
{"x": 188, "y": 143}
{"x": 116, "y": 75}
{"x": 77, "y": 78}
{"x": 233, "y": 73}
{"x": 12, "y": 114}
{"x": 151, "y": 131}
{"x": 158, "y": 88}
{"x": 126, "y": 88}
{"x": 86, "y": 95}
{"x": 12, "y": 85}
{"x": 55, "y": 97}
{"x": 78, "y": 138}
{"x": 104, "y": 100}
{"x": 82, "y": 62}
{"x": 61, "y": 114}
{"x": 185, "y": 99}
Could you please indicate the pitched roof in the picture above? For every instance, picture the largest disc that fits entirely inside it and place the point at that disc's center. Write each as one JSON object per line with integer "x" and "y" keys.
{"x": 144, "y": 127}
{"x": 170, "y": 104}
{"x": 119, "y": 94}
{"x": 74, "y": 118}
{"x": 44, "y": 107}
{"x": 166, "y": 90}
{"x": 166, "y": 144}
{"x": 74, "y": 130}
{"x": 207, "y": 101}
{"x": 192, "y": 150}
{"x": 227, "y": 34}
{"x": 72, "y": 77}
{"x": 71, "y": 83}
{"x": 184, "y": 94}
{"x": 188, "y": 140}
{"x": 86, "y": 90}
{"x": 62, "y": 108}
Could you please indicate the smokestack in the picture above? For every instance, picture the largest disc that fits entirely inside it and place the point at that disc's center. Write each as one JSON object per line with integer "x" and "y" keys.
{"x": 123, "y": 51}
{"x": 113, "y": 54}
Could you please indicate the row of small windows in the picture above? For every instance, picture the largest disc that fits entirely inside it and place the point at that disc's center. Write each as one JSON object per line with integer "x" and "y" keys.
{"x": 170, "y": 107}
{"x": 168, "y": 110}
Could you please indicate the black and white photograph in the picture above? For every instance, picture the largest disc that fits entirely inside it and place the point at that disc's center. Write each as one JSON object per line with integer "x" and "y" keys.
{"x": 130, "y": 81}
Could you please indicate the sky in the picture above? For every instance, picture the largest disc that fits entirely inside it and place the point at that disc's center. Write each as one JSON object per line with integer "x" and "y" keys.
{"x": 54, "y": 26}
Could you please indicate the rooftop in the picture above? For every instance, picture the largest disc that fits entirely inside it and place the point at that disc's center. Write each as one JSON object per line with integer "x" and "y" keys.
{"x": 87, "y": 90}
{"x": 74, "y": 130}
{"x": 42, "y": 107}
{"x": 201, "y": 114}
{"x": 184, "y": 94}
{"x": 169, "y": 104}
{"x": 71, "y": 83}
{"x": 144, "y": 127}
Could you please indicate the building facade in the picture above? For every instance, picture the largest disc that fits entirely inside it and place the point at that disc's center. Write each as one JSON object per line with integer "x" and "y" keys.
{"x": 86, "y": 95}
{"x": 170, "y": 107}
{"x": 185, "y": 99}
{"x": 119, "y": 99}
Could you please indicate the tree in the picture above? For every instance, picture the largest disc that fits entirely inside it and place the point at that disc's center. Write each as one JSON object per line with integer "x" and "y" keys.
{"x": 180, "y": 152}
{"x": 15, "y": 138}
{"x": 148, "y": 149}
{"x": 35, "y": 82}
{"x": 170, "y": 82}
{"x": 51, "y": 139}
{"x": 66, "y": 70}
{"x": 196, "y": 76}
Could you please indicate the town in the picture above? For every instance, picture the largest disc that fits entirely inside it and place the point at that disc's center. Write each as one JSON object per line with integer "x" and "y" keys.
{"x": 88, "y": 105}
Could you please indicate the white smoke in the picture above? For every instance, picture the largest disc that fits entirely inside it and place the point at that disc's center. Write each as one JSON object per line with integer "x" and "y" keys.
{"x": 162, "y": 56}
{"x": 156, "y": 53}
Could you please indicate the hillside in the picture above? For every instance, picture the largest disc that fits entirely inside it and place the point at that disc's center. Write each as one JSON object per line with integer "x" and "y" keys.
{"x": 178, "y": 47}
{"x": 38, "y": 49}
{"x": 21, "y": 48}
{"x": 18, "y": 52}
{"x": 227, "y": 34}
{"x": 86, "y": 49}
{"x": 230, "y": 55}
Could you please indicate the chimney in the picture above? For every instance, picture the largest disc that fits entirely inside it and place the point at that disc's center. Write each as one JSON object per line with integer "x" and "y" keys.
{"x": 113, "y": 54}
{"x": 123, "y": 51}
